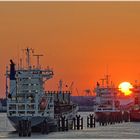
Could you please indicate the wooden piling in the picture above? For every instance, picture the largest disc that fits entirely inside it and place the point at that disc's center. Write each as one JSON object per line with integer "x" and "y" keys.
{"x": 91, "y": 121}
{"x": 74, "y": 123}
{"x": 81, "y": 123}
{"x": 78, "y": 122}
{"x": 87, "y": 121}
{"x": 63, "y": 124}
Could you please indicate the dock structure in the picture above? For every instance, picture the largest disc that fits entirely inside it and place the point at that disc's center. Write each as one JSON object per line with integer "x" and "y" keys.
{"x": 63, "y": 124}
{"x": 91, "y": 122}
{"x": 78, "y": 122}
{"x": 24, "y": 128}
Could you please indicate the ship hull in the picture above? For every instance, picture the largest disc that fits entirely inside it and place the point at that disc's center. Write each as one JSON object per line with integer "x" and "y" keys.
{"x": 135, "y": 116}
{"x": 99, "y": 115}
{"x": 36, "y": 121}
{"x": 107, "y": 115}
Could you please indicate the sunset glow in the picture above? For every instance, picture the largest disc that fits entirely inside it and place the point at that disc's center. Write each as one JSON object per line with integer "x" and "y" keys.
{"x": 125, "y": 88}
{"x": 77, "y": 40}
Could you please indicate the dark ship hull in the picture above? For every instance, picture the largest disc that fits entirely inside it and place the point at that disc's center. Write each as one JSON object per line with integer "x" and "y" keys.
{"x": 62, "y": 107}
{"x": 135, "y": 116}
{"x": 67, "y": 110}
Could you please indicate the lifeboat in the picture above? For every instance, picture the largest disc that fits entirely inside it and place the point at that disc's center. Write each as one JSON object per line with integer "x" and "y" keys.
{"x": 43, "y": 103}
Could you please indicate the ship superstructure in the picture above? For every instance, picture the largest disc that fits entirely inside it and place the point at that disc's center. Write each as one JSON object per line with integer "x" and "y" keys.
{"x": 27, "y": 92}
{"x": 105, "y": 100}
{"x": 26, "y": 99}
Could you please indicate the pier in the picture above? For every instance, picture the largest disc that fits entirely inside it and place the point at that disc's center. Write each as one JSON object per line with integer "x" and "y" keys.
{"x": 118, "y": 130}
{"x": 78, "y": 123}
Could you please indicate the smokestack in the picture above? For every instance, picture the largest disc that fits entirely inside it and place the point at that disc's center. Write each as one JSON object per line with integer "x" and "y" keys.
{"x": 12, "y": 79}
{"x": 12, "y": 70}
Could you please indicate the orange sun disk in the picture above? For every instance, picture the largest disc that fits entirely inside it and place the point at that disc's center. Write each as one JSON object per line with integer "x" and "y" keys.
{"x": 125, "y": 87}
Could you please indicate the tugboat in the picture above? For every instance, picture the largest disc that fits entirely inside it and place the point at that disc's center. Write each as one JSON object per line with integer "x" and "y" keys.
{"x": 135, "y": 109}
{"x": 106, "y": 102}
{"x": 29, "y": 106}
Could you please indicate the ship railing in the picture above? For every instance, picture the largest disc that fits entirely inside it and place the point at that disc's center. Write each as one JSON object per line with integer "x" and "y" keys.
{"x": 109, "y": 110}
{"x": 15, "y": 108}
{"x": 25, "y": 113}
{"x": 63, "y": 114}
{"x": 48, "y": 72}
{"x": 20, "y": 102}
{"x": 47, "y": 76}
{"x": 28, "y": 113}
{"x": 74, "y": 110}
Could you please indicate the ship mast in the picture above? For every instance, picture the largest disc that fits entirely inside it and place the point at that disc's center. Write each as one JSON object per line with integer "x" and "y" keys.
{"x": 103, "y": 79}
{"x": 107, "y": 76}
{"x": 6, "y": 84}
{"x": 38, "y": 56}
{"x": 28, "y": 60}
{"x": 60, "y": 85}
{"x": 107, "y": 80}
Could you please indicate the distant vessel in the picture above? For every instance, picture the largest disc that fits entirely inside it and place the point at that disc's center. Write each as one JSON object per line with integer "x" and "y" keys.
{"x": 105, "y": 100}
{"x": 135, "y": 109}
{"x": 2, "y": 105}
{"x": 29, "y": 106}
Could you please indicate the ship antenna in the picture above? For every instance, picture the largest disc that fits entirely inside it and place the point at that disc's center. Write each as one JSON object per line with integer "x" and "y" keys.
{"x": 107, "y": 76}
{"x": 20, "y": 63}
{"x": 60, "y": 85}
{"x": 102, "y": 81}
{"x": 28, "y": 61}
{"x": 18, "y": 55}
{"x": 6, "y": 81}
{"x": 38, "y": 56}
{"x": 107, "y": 79}
{"x": 23, "y": 57}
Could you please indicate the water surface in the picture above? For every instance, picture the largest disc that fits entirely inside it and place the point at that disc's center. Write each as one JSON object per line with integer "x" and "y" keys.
{"x": 129, "y": 130}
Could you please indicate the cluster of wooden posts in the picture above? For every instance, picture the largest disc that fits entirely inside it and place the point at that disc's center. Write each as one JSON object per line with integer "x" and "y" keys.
{"x": 103, "y": 120}
{"x": 24, "y": 128}
{"x": 76, "y": 123}
{"x": 63, "y": 125}
{"x": 91, "y": 122}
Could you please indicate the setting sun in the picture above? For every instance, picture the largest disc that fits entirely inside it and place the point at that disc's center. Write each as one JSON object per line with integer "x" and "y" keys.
{"x": 125, "y": 88}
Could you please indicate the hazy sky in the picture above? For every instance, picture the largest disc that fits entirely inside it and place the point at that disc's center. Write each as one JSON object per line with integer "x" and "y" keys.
{"x": 78, "y": 39}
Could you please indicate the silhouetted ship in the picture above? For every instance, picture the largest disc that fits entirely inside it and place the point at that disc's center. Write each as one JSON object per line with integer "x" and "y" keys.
{"x": 135, "y": 109}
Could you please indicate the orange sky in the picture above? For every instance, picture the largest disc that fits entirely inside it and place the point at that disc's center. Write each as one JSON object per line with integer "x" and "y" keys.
{"x": 78, "y": 39}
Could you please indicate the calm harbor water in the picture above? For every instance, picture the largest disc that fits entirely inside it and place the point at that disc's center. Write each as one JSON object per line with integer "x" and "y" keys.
{"x": 129, "y": 130}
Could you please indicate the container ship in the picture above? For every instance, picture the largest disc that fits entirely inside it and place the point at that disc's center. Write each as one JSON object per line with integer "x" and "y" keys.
{"x": 106, "y": 102}
{"x": 29, "y": 106}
